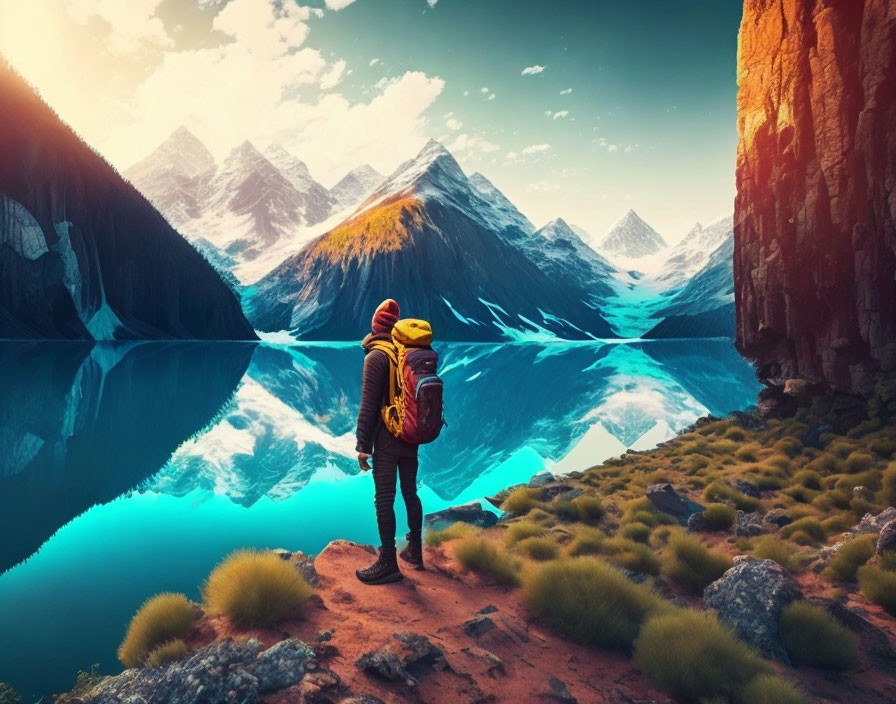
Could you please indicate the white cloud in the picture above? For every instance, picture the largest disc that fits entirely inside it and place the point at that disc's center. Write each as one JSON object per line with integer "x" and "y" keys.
{"x": 548, "y": 112}
{"x": 491, "y": 96}
{"x": 536, "y": 149}
{"x": 483, "y": 90}
{"x": 132, "y": 26}
{"x": 469, "y": 144}
{"x": 338, "y": 4}
{"x": 373, "y": 62}
{"x": 533, "y": 70}
{"x": 452, "y": 123}
{"x": 566, "y": 91}
{"x": 560, "y": 114}
{"x": 466, "y": 93}
{"x": 332, "y": 77}
{"x": 612, "y": 148}
{"x": 543, "y": 186}
{"x": 431, "y": 3}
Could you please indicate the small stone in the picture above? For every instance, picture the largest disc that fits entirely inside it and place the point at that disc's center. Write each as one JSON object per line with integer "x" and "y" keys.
{"x": 362, "y": 699}
{"x": 696, "y": 523}
{"x": 471, "y": 513}
{"x": 559, "y": 691}
{"x": 553, "y": 491}
{"x": 887, "y": 538}
{"x": 541, "y": 479}
{"x": 281, "y": 553}
{"x": 667, "y": 500}
{"x": 776, "y": 518}
{"x": 747, "y": 488}
{"x": 283, "y": 665}
{"x": 478, "y": 626}
{"x": 323, "y": 636}
{"x": 863, "y": 493}
{"x": 490, "y": 609}
{"x": 383, "y": 663}
{"x": 748, "y": 524}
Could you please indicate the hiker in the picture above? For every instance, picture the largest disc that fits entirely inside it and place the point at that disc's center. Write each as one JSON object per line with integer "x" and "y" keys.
{"x": 392, "y": 423}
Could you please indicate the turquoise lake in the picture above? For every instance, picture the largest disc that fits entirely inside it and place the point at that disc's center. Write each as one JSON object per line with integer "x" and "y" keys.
{"x": 131, "y": 469}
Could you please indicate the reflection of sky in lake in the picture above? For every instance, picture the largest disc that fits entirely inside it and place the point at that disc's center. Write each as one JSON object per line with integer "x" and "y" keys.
{"x": 130, "y": 470}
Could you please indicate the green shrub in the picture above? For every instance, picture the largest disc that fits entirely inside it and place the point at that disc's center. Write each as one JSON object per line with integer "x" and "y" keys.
{"x": 808, "y": 479}
{"x": 747, "y": 453}
{"x": 870, "y": 479}
{"x": 858, "y": 462}
{"x": 841, "y": 448}
{"x": 586, "y": 541}
{"x": 879, "y": 585}
{"x": 637, "y": 531}
{"x": 813, "y": 637}
{"x": 888, "y": 485}
{"x": 883, "y": 446}
{"x": 590, "y": 509}
{"x": 723, "y": 447}
{"x": 790, "y": 446}
{"x": 483, "y": 556}
{"x": 719, "y": 491}
{"x": 770, "y": 548}
{"x": 692, "y": 565}
{"x": 769, "y": 689}
{"x": 167, "y": 652}
{"x": 522, "y": 530}
{"x": 589, "y": 601}
{"x": 631, "y": 555}
{"x": 809, "y": 526}
{"x": 718, "y": 516}
{"x": 435, "y": 538}
{"x": 538, "y": 548}
{"x": 690, "y": 655}
{"x": 854, "y": 553}
{"x": 735, "y": 433}
{"x": 161, "y": 618}
{"x": 254, "y": 589}
{"x": 520, "y": 501}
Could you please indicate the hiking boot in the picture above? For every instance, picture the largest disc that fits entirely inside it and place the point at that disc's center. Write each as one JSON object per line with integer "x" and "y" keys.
{"x": 383, "y": 571}
{"x": 413, "y": 553}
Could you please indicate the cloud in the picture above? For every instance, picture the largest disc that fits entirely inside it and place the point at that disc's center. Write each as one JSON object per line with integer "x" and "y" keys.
{"x": 338, "y": 4}
{"x": 472, "y": 145}
{"x": 543, "y": 186}
{"x": 483, "y": 90}
{"x": 536, "y": 149}
{"x": 566, "y": 91}
{"x": 332, "y": 77}
{"x": 466, "y": 93}
{"x": 452, "y": 123}
{"x": 132, "y": 26}
{"x": 373, "y": 62}
{"x": 431, "y": 3}
{"x": 560, "y": 114}
{"x": 612, "y": 148}
{"x": 533, "y": 70}
{"x": 491, "y": 96}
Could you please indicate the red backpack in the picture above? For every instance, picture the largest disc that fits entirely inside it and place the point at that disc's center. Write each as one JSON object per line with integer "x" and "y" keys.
{"x": 413, "y": 412}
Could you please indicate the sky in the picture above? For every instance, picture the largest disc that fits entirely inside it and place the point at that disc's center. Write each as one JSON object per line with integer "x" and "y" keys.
{"x": 579, "y": 109}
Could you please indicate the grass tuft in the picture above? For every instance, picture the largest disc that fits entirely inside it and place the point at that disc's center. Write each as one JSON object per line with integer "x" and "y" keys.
{"x": 590, "y": 509}
{"x": 718, "y": 516}
{"x": 456, "y": 530}
{"x": 520, "y": 501}
{"x": 769, "y": 689}
{"x": 626, "y": 553}
{"x": 692, "y": 656}
{"x": 770, "y": 548}
{"x": 167, "y": 652}
{"x": 586, "y": 541}
{"x": 160, "y": 619}
{"x": 813, "y": 637}
{"x": 854, "y": 553}
{"x": 540, "y": 549}
{"x": 522, "y": 530}
{"x": 589, "y": 601}
{"x": 692, "y": 565}
{"x": 879, "y": 585}
{"x": 255, "y": 589}
{"x": 481, "y": 555}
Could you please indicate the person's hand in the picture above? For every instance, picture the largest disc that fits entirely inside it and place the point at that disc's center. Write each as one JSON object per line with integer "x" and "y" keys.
{"x": 362, "y": 461}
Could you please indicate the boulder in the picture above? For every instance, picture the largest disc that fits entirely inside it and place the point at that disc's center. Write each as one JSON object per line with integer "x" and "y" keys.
{"x": 747, "y": 488}
{"x": 748, "y": 524}
{"x": 497, "y": 499}
{"x": 478, "y": 625}
{"x": 667, "y": 500}
{"x": 283, "y": 665}
{"x": 417, "y": 655}
{"x": 219, "y": 672}
{"x": 887, "y": 538}
{"x": 385, "y": 664}
{"x": 775, "y": 519}
{"x": 540, "y": 479}
{"x": 696, "y": 523}
{"x": 874, "y": 523}
{"x": 471, "y": 513}
{"x": 749, "y": 597}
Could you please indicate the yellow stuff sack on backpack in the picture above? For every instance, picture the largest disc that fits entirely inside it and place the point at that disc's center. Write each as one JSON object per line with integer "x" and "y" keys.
{"x": 410, "y": 332}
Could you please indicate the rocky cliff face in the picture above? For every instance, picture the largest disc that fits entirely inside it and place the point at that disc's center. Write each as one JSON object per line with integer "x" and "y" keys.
{"x": 815, "y": 222}
{"x": 82, "y": 254}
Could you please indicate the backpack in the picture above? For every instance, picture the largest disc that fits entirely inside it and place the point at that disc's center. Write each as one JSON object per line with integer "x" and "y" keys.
{"x": 413, "y": 410}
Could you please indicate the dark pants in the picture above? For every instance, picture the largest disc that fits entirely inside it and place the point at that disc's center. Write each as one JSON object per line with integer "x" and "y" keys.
{"x": 394, "y": 460}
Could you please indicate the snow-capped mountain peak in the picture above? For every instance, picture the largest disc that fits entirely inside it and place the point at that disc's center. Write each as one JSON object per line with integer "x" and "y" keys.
{"x": 631, "y": 238}
{"x": 319, "y": 203}
{"x": 692, "y": 252}
{"x": 182, "y": 154}
{"x": 432, "y": 171}
{"x": 356, "y": 186}
{"x": 501, "y": 202}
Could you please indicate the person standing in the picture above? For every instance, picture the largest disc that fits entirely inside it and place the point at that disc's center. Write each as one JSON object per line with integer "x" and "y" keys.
{"x": 394, "y": 460}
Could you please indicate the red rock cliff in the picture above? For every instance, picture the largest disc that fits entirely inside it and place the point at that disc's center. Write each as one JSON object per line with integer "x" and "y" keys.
{"x": 815, "y": 214}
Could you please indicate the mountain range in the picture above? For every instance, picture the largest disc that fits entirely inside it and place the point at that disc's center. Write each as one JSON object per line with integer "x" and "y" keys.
{"x": 452, "y": 247}
{"x": 83, "y": 255}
